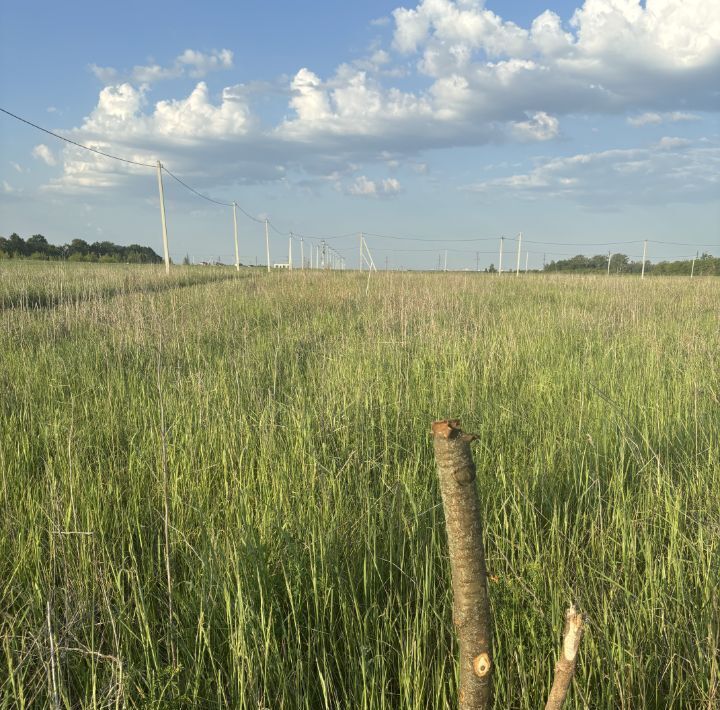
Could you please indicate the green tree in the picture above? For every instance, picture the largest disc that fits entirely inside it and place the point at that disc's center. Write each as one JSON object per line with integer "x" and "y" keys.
{"x": 78, "y": 246}
{"x": 17, "y": 245}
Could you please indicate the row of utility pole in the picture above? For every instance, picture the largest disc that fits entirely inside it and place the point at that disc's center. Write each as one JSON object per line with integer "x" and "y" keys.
{"x": 321, "y": 255}
{"x": 324, "y": 257}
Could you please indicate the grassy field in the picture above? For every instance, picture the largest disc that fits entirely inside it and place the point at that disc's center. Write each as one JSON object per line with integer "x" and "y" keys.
{"x": 219, "y": 491}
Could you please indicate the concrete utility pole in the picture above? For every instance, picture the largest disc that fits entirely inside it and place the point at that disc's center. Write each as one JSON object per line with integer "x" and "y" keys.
{"x": 267, "y": 244}
{"x": 162, "y": 218}
{"x": 371, "y": 261}
{"x": 517, "y": 265}
{"x": 237, "y": 253}
{"x": 502, "y": 240}
{"x": 692, "y": 268}
{"x": 302, "y": 255}
{"x": 290, "y": 252}
{"x": 609, "y": 260}
{"x": 642, "y": 274}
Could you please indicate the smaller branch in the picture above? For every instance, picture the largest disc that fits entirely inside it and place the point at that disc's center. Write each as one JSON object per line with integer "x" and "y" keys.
{"x": 565, "y": 668}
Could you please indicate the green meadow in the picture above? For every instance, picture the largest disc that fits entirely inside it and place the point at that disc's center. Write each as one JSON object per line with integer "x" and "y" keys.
{"x": 217, "y": 488}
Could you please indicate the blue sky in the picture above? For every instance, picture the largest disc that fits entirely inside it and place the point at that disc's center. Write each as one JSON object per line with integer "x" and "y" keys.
{"x": 577, "y": 124}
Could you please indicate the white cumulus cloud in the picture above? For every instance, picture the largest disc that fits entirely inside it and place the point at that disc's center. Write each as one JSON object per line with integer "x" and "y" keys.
{"x": 190, "y": 63}
{"x": 490, "y": 80}
{"x": 364, "y": 187}
{"x": 539, "y": 127}
{"x": 613, "y": 55}
{"x": 191, "y": 128}
{"x": 473, "y": 78}
{"x": 650, "y": 118}
{"x": 672, "y": 170}
{"x": 42, "y": 152}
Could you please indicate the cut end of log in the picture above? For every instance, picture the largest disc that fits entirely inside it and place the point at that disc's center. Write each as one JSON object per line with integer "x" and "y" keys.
{"x": 482, "y": 665}
{"x": 450, "y": 429}
{"x": 446, "y": 428}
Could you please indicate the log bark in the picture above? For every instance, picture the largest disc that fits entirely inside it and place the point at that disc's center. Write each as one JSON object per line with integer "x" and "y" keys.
{"x": 565, "y": 668}
{"x": 471, "y": 605}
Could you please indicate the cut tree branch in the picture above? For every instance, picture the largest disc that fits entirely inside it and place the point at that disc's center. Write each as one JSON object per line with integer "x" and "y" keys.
{"x": 471, "y": 605}
{"x": 565, "y": 668}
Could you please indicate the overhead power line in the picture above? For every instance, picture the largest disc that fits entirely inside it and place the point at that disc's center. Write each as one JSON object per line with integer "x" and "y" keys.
{"x": 435, "y": 239}
{"x": 681, "y": 244}
{"x": 396, "y": 237}
{"x": 277, "y": 231}
{"x": 192, "y": 189}
{"x": 75, "y": 143}
{"x": 248, "y": 215}
{"x": 395, "y": 250}
{"x": 325, "y": 237}
{"x": 126, "y": 160}
{"x": 585, "y": 244}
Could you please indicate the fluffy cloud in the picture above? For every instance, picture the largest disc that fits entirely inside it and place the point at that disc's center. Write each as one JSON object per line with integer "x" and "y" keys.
{"x": 539, "y": 127}
{"x": 197, "y": 117}
{"x": 601, "y": 33}
{"x": 462, "y": 25}
{"x": 363, "y": 187}
{"x": 186, "y": 128}
{"x": 42, "y": 152}
{"x": 198, "y": 64}
{"x": 478, "y": 79}
{"x": 614, "y": 55}
{"x": 489, "y": 80}
{"x": 352, "y": 102}
{"x": 672, "y": 170}
{"x": 652, "y": 118}
{"x": 119, "y": 113}
{"x": 190, "y": 63}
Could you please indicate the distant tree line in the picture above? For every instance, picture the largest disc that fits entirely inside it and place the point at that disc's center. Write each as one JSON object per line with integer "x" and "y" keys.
{"x": 38, "y": 247}
{"x": 705, "y": 264}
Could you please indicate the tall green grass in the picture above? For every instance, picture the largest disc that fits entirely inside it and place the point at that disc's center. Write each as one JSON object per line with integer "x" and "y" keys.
{"x": 307, "y": 553}
{"x": 29, "y": 286}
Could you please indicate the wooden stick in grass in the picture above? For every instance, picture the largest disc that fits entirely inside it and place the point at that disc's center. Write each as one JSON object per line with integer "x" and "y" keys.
{"x": 565, "y": 668}
{"x": 471, "y": 606}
